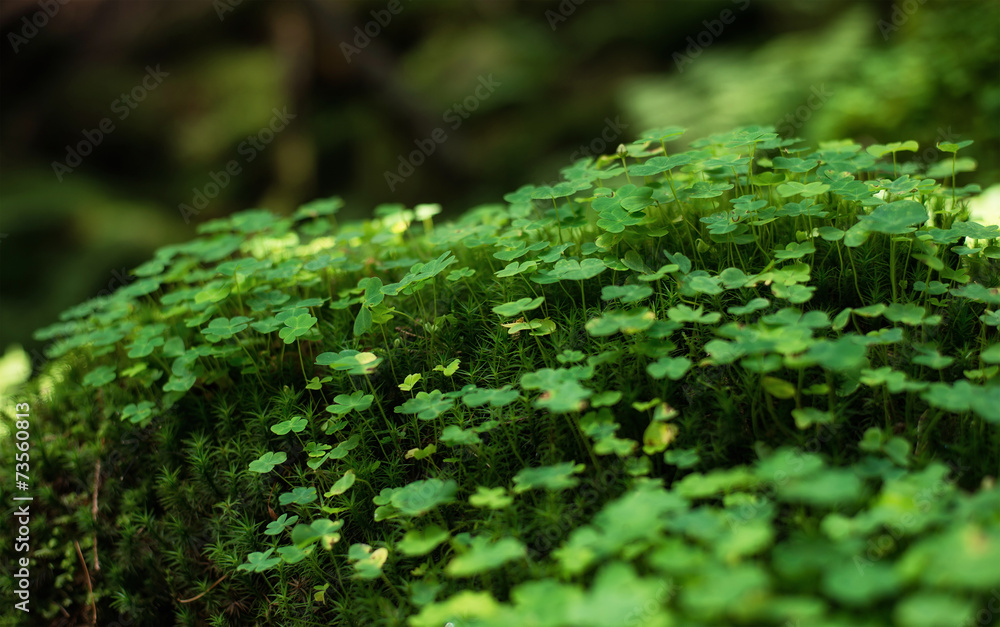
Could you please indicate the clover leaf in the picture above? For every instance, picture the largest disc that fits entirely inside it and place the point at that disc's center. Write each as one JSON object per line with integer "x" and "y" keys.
{"x": 342, "y": 485}
{"x": 684, "y": 313}
{"x": 298, "y": 496}
{"x": 573, "y": 270}
{"x": 345, "y": 447}
{"x": 352, "y": 361}
{"x": 493, "y": 498}
{"x": 346, "y": 403}
{"x": 421, "y": 542}
{"x": 321, "y": 530}
{"x": 259, "y": 562}
{"x": 518, "y": 306}
{"x": 806, "y": 190}
{"x": 616, "y": 219}
{"x": 138, "y": 413}
{"x": 565, "y": 397}
{"x": 672, "y": 367}
{"x": 627, "y": 322}
{"x": 557, "y": 477}
{"x": 453, "y": 435}
{"x": 295, "y": 423}
{"x": 795, "y": 250}
{"x": 280, "y": 524}
{"x": 461, "y": 273}
{"x": 908, "y": 313}
{"x": 895, "y": 218}
{"x": 450, "y": 369}
{"x": 478, "y": 397}
{"x": 514, "y": 268}
{"x": 626, "y": 293}
{"x": 484, "y": 555}
{"x": 809, "y": 416}
{"x": 223, "y": 328}
{"x": 427, "y": 406}
{"x": 144, "y": 346}
{"x": 102, "y": 375}
{"x": 266, "y": 462}
{"x": 537, "y": 327}
{"x": 930, "y": 357}
{"x": 420, "y": 497}
{"x": 296, "y": 327}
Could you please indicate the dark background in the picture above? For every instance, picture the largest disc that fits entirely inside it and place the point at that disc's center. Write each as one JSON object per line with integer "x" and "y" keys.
{"x": 570, "y": 79}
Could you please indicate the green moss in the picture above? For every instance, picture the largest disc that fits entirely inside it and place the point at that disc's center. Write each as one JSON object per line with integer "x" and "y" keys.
{"x": 680, "y": 387}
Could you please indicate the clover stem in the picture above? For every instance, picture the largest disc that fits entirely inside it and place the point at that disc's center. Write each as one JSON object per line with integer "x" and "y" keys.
{"x": 574, "y": 426}
{"x": 673, "y": 190}
{"x": 694, "y": 246}
{"x": 558, "y": 221}
{"x": 385, "y": 338}
{"x": 513, "y": 446}
{"x": 256, "y": 368}
{"x": 756, "y": 242}
{"x": 541, "y": 351}
{"x": 954, "y": 158}
{"x": 854, "y": 274}
{"x": 239, "y": 298}
{"x": 528, "y": 283}
{"x": 925, "y": 436}
{"x": 302, "y": 364}
{"x": 927, "y": 286}
{"x": 405, "y": 315}
{"x": 770, "y": 407}
{"x": 625, "y": 166}
{"x": 743, "y": 263}
{"x": 378, "y": 403}
{"x": 839, "y": 256}
{"x": 892, "y": 264}
{"x": 906, "y": 259}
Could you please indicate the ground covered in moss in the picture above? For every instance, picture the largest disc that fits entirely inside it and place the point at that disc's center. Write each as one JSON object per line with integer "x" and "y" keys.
{"x": 738, "y": 380}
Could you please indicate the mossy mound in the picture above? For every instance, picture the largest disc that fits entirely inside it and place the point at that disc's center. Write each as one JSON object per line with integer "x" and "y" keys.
{"x": 749, "y": 382}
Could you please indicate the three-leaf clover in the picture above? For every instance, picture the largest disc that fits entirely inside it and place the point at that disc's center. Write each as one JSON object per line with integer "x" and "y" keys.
{"x": 422, "y": 496}
{"x": 450, "y": 369}
{"x": 493, "y": 498}
{"x": 518, "y": 306}
{"x": 484, "y": 555}
{"x": 296, "y": 327}
{"x": 259, "y": 562}
{"x": 346, "y": 403}
{"x": 421, "y": 542}
{"x": 478, "y": 397}
{"x": 223, "y": 328}
{"x": 266, "y": 462}
{"x": 295, "y": 423}
{"x": 556, "y": 477}
{"x": 426, "y": 405}
{"x": 280, "y": 524}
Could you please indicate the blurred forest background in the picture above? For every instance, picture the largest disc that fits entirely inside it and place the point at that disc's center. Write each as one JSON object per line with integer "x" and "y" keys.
{"x": 517, "y": 90}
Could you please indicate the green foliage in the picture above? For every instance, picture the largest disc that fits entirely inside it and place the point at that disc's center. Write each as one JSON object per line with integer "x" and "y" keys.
{"x": 794, "y": 418}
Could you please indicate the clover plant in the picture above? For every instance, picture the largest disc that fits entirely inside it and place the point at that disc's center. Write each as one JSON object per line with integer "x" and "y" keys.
{"x": 734, "y": 380}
